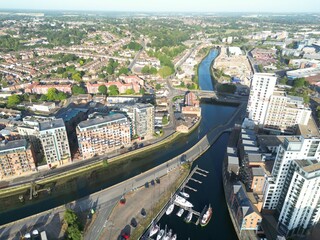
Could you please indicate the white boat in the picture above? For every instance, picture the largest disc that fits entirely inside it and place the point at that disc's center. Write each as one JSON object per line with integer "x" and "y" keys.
{"x": 168, "y": 235}
{"x": 183, "y": 202}
{"x": 154, "y": 229}
{"x": 180, "y": 212}
{"x": 160, "y": 234}
{"x": 170, "y": 209}
{"x": 189, "y": 217}
{"x": 174, "y": 237}
{"x": 184, "y": 194}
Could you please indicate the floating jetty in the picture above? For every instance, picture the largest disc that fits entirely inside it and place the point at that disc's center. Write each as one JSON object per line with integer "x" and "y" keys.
{"x": 199, "y": 215}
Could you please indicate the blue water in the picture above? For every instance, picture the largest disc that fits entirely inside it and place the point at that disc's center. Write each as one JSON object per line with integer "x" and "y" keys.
{"x": 211, "y": 189}
{"x": 205, "y": 81}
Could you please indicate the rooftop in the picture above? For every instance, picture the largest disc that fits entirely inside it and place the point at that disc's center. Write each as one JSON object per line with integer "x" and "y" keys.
{"x": 309, "y": 166}
{"x": 270, "y": 140}
{"x": 257, "y": 171}
{"x": 52, "y": 124}
{"x": 22, "y": 143}
{"x": 101, "y": 120}
{"x": 254, "y": 157}
{"x": 308, "y": 130}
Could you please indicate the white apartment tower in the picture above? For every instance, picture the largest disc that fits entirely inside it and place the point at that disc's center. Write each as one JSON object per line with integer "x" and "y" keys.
{"x": 262, "y": 87}
{"x": 281, "y": 190}
{"x": 142, "y": 119}
{"x": 301, "y": 207}
{"x": 285, "y": 112}
{"x": 54, "y": 141}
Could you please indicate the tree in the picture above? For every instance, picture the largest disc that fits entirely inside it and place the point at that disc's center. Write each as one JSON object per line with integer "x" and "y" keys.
{"x": 130, "y": 91}
{"x": 70, "y": 217}
{"x": 14, "y": 100}
{"x": 103, "y": 89}
{"x": 165, "y": 71}
{"x": 158, "y": 86}
{"x": 52, "y": 94}
{"x": 73, "y": 229}
{"x": 78, "y": 90}
{"x": 299, "y": 82}
{"x": 142, "y": 91}
{"x": 123, "y": 70}
{"x": 76, "y": 76}
{"x": 61, "y": 96}
{"x": 227, "y": 88}
{"x": 283, "y": 81}
{"x": 113, "y": 90}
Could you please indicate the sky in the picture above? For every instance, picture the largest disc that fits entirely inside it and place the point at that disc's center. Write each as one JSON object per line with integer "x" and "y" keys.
{"x": 167, "y": 5}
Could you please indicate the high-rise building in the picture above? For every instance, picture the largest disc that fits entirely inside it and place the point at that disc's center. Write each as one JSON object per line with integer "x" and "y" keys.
{"x": 281, "y": 186}
{"x": 16, "y": 158}
{"x": 301, "y": 206}
{"x": 285, "y": 112}
{"x": 271, "y": 108}
{"x": 262, "y": 87}
{"x": 103, "y": 134}
{"x": 293, "y": 148}
{"x": 142, "y": 119}
{"x": 54, "y": 141}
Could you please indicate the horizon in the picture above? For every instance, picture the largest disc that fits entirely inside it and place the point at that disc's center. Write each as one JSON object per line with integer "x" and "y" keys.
{"x": 165, "y": 6}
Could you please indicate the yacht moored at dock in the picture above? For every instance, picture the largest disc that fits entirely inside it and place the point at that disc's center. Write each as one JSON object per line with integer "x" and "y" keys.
{"x": 180, "y": 212}
{"x": 206, "y": 217}
{"x": 183, "y": 202}
{"x": 170, "y": 209}
{"x": 189, "y": 217}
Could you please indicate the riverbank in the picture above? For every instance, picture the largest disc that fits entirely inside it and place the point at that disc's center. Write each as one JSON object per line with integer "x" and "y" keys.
{"x": 152, "y": 199}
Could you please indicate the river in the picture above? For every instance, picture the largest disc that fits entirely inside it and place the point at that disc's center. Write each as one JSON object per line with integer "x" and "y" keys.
{"x": 212, "y": 115}
{"x": 211, "y": 189}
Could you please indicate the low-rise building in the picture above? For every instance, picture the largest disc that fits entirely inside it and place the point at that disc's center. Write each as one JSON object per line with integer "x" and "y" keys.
{"x": 246, "y": 214}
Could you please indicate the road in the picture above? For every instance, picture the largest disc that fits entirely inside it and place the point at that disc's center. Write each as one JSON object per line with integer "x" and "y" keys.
{"x": 104, "y": 200}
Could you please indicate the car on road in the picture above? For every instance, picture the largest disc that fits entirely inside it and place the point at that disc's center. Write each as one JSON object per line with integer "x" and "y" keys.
{"x": 146, "y": 184}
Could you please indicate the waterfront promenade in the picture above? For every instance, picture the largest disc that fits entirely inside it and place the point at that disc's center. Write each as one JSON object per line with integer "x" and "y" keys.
{"x": 104, "y": 200}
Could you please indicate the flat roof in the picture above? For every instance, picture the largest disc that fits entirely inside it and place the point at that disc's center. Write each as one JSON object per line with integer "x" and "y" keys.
{"x": 233, "y": 160}
{"x": 22, "y": 143}
{"x": 309, "y": 166}
{"x": 308, "y": 130}
{"x": 257, "y": 171}
{"x": 249, "y": 143}
{"x": 99, "y": 120}
{"x": 270, "y": 140}
{"x": 255, "y": 157}
{"x": 52, "y": 124}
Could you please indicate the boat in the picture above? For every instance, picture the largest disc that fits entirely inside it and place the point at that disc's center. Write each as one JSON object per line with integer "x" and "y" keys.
{"x": 160, "y": 234}
{"x": 183, "y": 202}
{"x": 206, "y": 217}
{"x": 170, "y": 209}
{"x": 174, "y": 237}
{"x": 154, "y": 229}
{"x": 184, "y": 194}
{"x": 189, "y": 217}
{"x": 168, "y": 235}
{"x": 180, "y": 212}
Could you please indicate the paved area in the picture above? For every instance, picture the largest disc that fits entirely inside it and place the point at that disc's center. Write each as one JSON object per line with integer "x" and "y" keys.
{"x": 146, "y": 198}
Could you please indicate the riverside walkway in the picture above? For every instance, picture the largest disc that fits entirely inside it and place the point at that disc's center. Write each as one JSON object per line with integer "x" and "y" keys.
{"x": 105, "y": 200}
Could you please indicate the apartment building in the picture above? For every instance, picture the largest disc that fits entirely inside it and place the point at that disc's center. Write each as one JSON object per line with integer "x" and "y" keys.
{"x": 271, "y": 108}
{"x": 142, "y": 119}
{"x": 54, "y": 141}
{"x": 301, "y": 207}
{"x": 262, "y": 87}
{"x": 285, "y": 112}
{"x": 103, "y": 134}
{"x": 16, "y": 158}
{"x": 244, "y": 211}
{"x": 293, "y": 148}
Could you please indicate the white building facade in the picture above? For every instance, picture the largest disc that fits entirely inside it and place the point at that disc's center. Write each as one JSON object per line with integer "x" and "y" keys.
{"x": 262, "y": 87}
